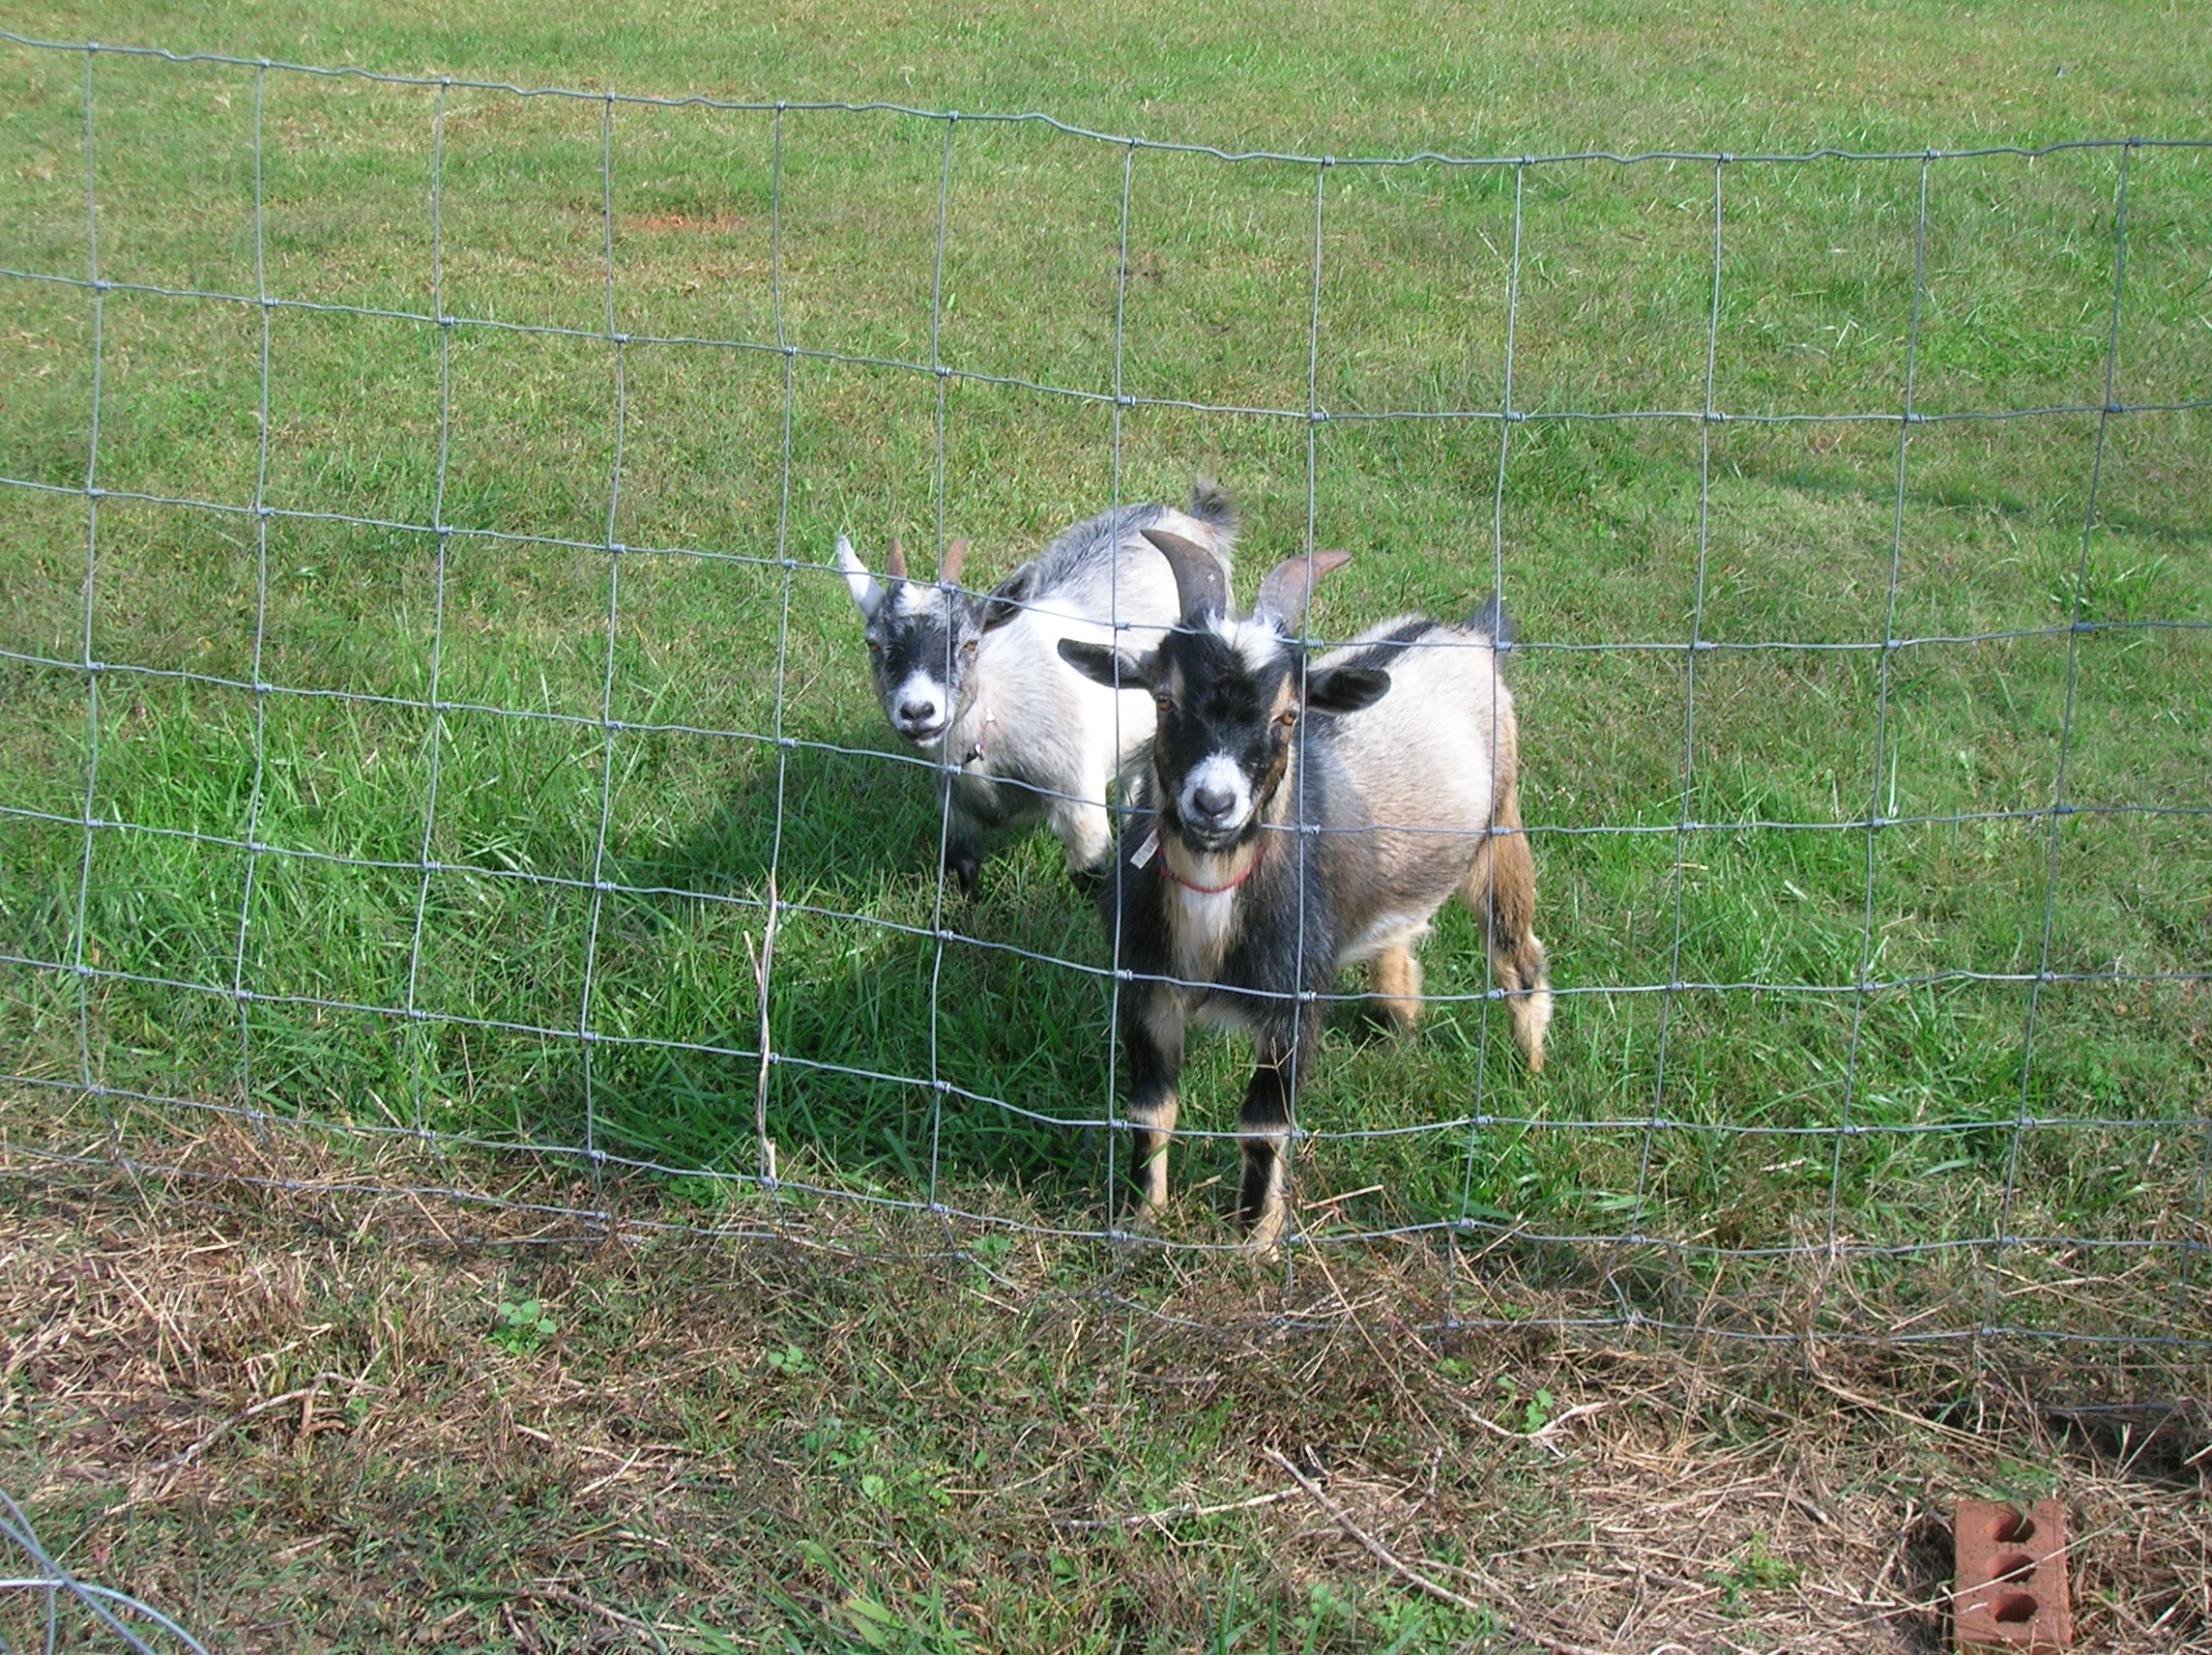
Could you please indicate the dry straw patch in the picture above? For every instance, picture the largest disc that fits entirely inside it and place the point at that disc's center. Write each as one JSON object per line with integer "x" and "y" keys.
{"x": 268, "y": 1398}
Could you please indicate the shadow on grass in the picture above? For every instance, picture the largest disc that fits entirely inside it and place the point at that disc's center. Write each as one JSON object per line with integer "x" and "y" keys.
{"x": 2007, "y": 506}
{"x": 863, "y": 953}
{"x": 821, "y": 821}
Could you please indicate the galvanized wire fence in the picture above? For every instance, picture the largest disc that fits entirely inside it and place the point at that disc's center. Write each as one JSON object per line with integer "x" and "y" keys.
{"x": 1617, "y": 1258}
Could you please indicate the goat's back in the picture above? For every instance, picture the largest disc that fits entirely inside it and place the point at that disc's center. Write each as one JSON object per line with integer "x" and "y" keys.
{"x": 1103, "y": 569}
{"x": 1100, "y": 582}
{"x": 1412, "y": 780}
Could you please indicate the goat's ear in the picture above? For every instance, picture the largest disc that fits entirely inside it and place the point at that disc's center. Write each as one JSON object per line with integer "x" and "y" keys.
{"x": 1009, "y": 597}
{"x": 866, "y": 589}
{"x": 1101, "y": 663}
{"x": 1347, "y": 689}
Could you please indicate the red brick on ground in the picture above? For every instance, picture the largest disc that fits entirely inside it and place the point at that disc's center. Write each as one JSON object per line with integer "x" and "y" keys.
{"x": 2009, "y": 1590}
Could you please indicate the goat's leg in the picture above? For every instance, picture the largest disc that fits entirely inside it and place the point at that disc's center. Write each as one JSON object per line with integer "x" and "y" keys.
{"x": 1264, "y": 1126}
{"x": 1398, "y": 986}
{"x": 959, "y": 798}
{"x": 1086, "y": 833}
{"x": 964, "y": 851}
{"x": 1151, "y": 1042}
{"x": 1500, "y": 889}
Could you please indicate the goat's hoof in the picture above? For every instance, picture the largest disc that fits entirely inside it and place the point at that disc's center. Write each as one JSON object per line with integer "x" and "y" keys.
{"x": 1140, "y": 1226}
{"x": 1264, "y": 1242}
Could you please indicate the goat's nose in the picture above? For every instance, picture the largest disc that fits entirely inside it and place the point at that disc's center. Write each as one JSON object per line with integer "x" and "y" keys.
{"x": 917, "y": 712}
{"x": 1212, "y": 800}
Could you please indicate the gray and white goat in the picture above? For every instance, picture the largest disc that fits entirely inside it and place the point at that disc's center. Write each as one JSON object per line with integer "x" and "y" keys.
{"x": 1305, "y": 814}
{"x": 977, "y": 682}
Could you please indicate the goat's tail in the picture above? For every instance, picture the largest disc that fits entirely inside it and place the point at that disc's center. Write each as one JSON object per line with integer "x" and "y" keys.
{"x": 1210, "y": 504}
{"x": 1493, "y": 623}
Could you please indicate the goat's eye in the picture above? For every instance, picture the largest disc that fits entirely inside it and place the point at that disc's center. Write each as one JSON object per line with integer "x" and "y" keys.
{"x": 1165, "y": 703}
{"x": 969, "y": 647}
{"x": 874, "y": 648}
{"x": 1287, "y": 719}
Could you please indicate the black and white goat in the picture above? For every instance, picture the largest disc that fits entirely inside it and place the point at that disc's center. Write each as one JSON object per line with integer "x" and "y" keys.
{"x": 977, "y": 683}
{"x": 1303, "y": 815}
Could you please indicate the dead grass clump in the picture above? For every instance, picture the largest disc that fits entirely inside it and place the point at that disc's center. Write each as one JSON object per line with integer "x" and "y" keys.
{"x": 276, "y": 1395}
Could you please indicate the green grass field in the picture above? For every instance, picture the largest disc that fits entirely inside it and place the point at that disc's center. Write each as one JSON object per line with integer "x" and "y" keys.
{"x": 615, "y": 882}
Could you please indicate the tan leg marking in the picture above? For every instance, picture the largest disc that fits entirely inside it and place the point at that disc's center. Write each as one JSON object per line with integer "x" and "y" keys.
{"x": 1398, "y": 987}
{"x": 1154, "y": 1130}
{"x": 1500, "y": 889}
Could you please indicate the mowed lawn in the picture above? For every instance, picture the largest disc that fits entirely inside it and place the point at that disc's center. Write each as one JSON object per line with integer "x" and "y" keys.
{"x": 516, "y": 923}
{"x": 351, "y": 777}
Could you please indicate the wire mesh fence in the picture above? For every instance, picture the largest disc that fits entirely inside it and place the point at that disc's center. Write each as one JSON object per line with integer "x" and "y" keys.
{"x": 496, "y": 778}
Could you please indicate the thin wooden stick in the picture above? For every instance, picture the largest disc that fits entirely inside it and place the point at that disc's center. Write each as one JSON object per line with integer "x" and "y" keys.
{"x": 764, "y": 962}
{"x": 1169, "y": 1514}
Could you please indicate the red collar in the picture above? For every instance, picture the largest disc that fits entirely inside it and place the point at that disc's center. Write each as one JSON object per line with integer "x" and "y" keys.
{"x": 1209, "y": 889}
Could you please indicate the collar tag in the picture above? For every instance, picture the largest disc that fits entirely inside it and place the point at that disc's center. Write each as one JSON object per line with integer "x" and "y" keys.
{"x": 1143, "y": 854}
{"x": 982, "y": 736}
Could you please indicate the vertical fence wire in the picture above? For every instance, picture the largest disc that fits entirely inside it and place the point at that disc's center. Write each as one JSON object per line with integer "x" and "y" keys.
{"x": 1304, "y": 1006}
{"x": 415, "y": 1030}
{"x": 765, "y": 966}
{"x": 600, "y": 886}
{"x": 2190, "y": 1243}
{"x": 1507, "y": 417}
{"x": 1637, "y": 1238}
{"x": 261, "y": 687}
{"x": 80, "y": 942}
{"x": 949, "y": 761}
{"x": 2002, "y": 1239}
{"x": 1112, "y": 1111}
{"x": 1884, "y": 666}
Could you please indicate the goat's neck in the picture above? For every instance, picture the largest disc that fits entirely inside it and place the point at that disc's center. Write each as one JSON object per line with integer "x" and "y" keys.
{"x": 967, "y": 739}
{"x": 1208, "y": 873}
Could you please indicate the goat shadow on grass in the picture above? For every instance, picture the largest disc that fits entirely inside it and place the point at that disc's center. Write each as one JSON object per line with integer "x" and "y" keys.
{"x": 857, "y": 966}
{"x": 1924, "y": 1570}
{"x": 2152, "y": 1441}
{"x": 856, "y": 813}
{"x": 1810, "y": 477}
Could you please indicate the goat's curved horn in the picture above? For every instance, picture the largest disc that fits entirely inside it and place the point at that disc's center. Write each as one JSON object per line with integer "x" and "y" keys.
{"x": 1289, "y": 585}
{"x": 948, "y": 568}
{"x": 1200, "y": 584}
{"x": 895, "y": 561}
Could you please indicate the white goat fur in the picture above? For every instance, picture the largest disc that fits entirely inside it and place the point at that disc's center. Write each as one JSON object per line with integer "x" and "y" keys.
{"x": 1030, "y": 736}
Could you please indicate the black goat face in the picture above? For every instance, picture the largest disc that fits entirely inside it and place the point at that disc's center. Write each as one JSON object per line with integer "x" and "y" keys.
{"x": 922, "y": 639}
{"x": 1227, "y": 700}
{"x": 1227, "y": 705}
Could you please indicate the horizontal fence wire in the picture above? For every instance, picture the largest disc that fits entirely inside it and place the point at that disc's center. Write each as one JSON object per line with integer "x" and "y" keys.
{"x": 775, "y": 1201}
